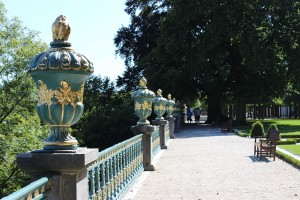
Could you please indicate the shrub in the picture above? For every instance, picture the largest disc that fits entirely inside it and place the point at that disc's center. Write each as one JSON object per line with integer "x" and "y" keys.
{"x": 297, "y": 140}
{"x": 288, "y": 141}
{"x": 290, "y": 135}
{"x": 272, "y": 127}
{"x": 257, "y": 129}
{"x": 289, "y": 159}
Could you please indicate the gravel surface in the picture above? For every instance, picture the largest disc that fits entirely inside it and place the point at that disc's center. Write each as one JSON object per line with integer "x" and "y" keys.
{"x": 203, "y": 163}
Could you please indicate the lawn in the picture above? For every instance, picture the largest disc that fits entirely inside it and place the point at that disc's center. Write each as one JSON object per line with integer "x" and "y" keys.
{"x": 287, "y": 127}
{"x": 295, "y": 149}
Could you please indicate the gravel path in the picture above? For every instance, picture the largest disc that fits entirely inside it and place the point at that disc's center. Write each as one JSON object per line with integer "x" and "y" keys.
{"x": 204, "y": 164}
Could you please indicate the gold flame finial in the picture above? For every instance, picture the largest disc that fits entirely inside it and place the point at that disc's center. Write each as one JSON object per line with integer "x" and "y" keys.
{"x": 143, "y": 82}
{"x": 61, "y": 28}
{"x": 159, "y": 92}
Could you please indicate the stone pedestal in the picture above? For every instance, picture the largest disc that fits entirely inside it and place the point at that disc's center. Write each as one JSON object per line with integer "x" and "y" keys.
{"x": 162, "y": 133}
{"x": 177, "y": 122}
{"x": 171, "y": 124}
{"x": 183, "y": 119}
{"x": 146, "y": 130}
{"x": 68, "y": 170}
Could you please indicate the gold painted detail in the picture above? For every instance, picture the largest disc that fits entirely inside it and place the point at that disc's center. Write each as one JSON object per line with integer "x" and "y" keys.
{"x": 160, "y": 107}
{"x": 169, "y": 107}
{"x": 63, "y": 95}
{"x": 38, "y": 191}
{"x": 143, "y": 82}
{"x": 144, "y": 106}
{"x": 61, "y": 28}
{"x": 159, "y": 92}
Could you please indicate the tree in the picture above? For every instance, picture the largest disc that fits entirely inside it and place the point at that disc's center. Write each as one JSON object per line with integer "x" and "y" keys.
{"x": 218, "y": 50}
{"x": 139, "y": 38}
{"x": 20, "y": 128}
{"x": 107, "y": 117}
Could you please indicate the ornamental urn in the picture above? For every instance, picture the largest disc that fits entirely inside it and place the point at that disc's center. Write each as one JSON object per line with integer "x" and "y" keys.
{"x": 142, "y": 98}
{"x": 60, "y": 74}
{"x": 159, "y": 104}
{"x": 169, "y": 106}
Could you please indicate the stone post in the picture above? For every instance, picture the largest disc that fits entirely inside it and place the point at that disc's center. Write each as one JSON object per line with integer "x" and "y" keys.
{"x": 178, "y": 115}
{"x": 162, "y": 133}
{"x": 169, "y": 109}
{"x": 178, "y": 121}
{"x": 184, "y": 117}
{"x": 143, "y": 98}
{"x": 171, "y": 126}
{"x": 146, "y": 130}
{"x": 60, "y": 74}
{"x": 68, "y": 170}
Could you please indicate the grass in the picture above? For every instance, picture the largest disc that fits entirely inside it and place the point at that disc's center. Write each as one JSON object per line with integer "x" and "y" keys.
{"x": 295, "y": 149}
{"x": 288, "y": 127}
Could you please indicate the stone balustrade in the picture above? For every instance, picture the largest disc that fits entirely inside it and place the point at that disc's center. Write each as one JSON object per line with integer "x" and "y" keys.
{"x": 83, "y": 173}
{"x": 88, "y": 174}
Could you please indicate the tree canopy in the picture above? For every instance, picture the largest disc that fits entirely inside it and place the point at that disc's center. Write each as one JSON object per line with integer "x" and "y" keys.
{"x": 238, "y": 51}
{"x": 20, "y": 128}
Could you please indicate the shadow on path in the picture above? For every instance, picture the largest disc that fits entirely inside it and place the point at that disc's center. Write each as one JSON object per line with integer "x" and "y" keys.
{"x": 202, "y": 130}
{"x": 256, "y": 159}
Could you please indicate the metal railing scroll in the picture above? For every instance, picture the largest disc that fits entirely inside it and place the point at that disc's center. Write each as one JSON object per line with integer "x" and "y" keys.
{"x": 115, "y": 169}
{"x": 34, "y": 191}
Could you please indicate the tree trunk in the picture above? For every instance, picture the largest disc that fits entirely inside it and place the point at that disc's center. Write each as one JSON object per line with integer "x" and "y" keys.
{"x": 240, "y": 106}
{"x": 230, "y": 111}
{"x": 213, "y": 107}
{"x": 276, "y": 111}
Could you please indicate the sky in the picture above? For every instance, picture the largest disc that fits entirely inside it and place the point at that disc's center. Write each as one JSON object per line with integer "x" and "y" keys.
{"x": 94, "y": 24}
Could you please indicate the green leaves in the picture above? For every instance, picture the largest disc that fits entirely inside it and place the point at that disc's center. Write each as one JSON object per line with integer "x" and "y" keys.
{"x": 20, "y": 129}
{"x": 239, "y": 49}
{"x": 107, "y": 117}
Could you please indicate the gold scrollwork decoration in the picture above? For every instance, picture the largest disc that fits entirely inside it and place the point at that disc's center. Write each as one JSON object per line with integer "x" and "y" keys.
{"x": 64, "y": 94}
{"x": 160, "y": 107}
{"x": 144, "y": 106}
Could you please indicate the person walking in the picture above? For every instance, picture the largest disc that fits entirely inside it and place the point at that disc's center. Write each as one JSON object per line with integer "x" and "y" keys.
{"x": 197, "y": 115}
{"x": 189, "y": 115}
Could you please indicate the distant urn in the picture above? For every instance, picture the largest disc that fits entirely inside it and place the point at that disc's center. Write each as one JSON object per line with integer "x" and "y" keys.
{"x": 61, "y": 28}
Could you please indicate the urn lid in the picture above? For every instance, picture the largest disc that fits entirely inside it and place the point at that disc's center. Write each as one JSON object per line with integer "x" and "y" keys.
{"x": 142, "y": 91}
{"x": 159, "y": 98}
{"x": 170, "y": 101}
{"x": 60, "y": 55}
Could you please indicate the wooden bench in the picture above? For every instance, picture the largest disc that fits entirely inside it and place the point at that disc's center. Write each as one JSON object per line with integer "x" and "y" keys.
{"x": 267, "y": 147}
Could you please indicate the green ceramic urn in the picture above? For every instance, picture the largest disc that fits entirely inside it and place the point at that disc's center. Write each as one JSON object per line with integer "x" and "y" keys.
{"x": 143, "y": 98}
{"x": 169, "y": 106}
{"x": 60, "y": 74}
{"x": 159, "y": 105}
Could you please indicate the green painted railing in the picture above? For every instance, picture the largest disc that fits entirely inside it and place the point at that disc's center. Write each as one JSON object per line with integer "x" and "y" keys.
{"x": 155, "y": 141}
{"x": 115, "y": 169}
{"x": 167, "y": 132}
{"x": 34, "y": 191}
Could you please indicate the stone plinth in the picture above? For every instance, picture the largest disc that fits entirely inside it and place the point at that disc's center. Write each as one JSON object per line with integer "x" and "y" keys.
{"x": 171, "y": 124}
{"x": 146, "y": 130}
{"x": 162, "y": 133}
{"x": 69, "y": 171}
